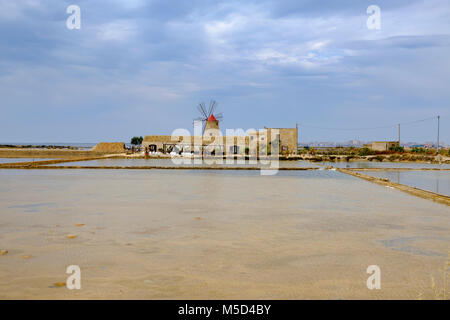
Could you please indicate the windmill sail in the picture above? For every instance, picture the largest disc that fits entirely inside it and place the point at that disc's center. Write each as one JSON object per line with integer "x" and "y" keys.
{"x": 207, "y": 112}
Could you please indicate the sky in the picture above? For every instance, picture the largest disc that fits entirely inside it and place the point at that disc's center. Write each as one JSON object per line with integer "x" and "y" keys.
{"x": 140, "y": 67}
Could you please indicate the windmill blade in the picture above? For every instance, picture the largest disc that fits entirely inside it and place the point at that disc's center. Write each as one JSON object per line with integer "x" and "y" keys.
{"x": 209, "y": 110}
{"x": 203, "y": 106}
{"x": 212, "y": 107}
{"x": 199, "y": 109}
{"x": 202, "y": 109}
{"x": 219, "y": 116}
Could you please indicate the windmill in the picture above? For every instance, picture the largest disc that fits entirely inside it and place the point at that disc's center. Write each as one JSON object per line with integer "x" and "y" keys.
{"x": 207, "y": 113}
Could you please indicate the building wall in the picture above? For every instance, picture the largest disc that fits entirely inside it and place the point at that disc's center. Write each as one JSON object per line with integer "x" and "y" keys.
{"x": 211, "y": 125}
{"x": 384, "y": 145}
{"x": 288, "y": 141}
{"x": 161, "y": 141}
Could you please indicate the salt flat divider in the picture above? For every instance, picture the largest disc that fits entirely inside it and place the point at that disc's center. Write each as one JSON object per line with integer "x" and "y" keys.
{"x": 398, "y": 169}
{"x": 408, "y": 189}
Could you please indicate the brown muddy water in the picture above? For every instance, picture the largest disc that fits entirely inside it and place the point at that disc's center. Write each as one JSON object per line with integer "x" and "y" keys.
{"x": 162, "y": 234}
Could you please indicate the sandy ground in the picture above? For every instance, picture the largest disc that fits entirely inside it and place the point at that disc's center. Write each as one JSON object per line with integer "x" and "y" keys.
{"x": 217, "y": 235}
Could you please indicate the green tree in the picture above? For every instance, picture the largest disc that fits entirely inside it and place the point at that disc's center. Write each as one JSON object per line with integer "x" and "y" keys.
{"x": 136, "y": 140}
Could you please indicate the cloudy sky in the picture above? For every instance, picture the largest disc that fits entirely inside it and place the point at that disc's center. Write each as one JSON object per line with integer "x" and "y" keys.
{"x": 140, "y": 67}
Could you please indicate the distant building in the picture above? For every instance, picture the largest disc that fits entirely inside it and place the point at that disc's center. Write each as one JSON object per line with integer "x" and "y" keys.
{"x": 383, "y": 145}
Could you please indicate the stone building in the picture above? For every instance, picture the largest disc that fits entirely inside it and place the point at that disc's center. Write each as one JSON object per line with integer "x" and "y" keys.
{"x": 263, "y": 141}
{"x": 384, "y": 145}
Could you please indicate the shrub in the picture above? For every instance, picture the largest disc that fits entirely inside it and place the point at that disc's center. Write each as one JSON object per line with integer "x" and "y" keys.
{"x": 418, "y": 150}
{"x": 397, "y": 149}
{"x": 365, "y": 151}
{"x": 393, "y": 157}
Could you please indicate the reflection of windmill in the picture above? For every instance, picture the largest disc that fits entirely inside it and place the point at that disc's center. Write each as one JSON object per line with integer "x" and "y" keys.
{"x": 207, "y": 115}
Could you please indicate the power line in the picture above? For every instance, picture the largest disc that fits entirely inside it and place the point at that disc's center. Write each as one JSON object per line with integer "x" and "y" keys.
{"x": 367, "y": 128}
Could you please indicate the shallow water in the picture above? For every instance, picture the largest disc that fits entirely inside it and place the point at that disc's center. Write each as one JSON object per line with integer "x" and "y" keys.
{"x": 9, "y": 160}
{"x": 435, "y": 181}
{"x": 377, "y": 164}
{"x": 216, "y": 234}
{"x": 188, "y": 162}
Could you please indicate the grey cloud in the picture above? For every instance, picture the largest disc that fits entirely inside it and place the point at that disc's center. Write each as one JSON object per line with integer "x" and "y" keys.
{"x": 155, "y": 58}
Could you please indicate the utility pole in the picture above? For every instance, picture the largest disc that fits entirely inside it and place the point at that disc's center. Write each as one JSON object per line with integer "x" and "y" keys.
{"x": 437, "y": 150}
{"x": 399, "y": 134}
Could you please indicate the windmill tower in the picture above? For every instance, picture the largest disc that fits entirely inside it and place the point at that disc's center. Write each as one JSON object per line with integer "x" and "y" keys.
{"x": 209, "y": 120}
{"x": 211, "y": 124}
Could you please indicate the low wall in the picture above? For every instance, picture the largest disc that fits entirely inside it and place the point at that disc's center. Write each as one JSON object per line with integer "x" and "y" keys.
{"x": 46, "y": 153}
{"x": 110, "y": 147}
{"x": 62, "y": 153}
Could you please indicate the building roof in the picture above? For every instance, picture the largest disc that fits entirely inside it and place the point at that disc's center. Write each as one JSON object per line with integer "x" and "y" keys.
{"x": 212, "y": 118}
{"x": 395, "y": 141}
